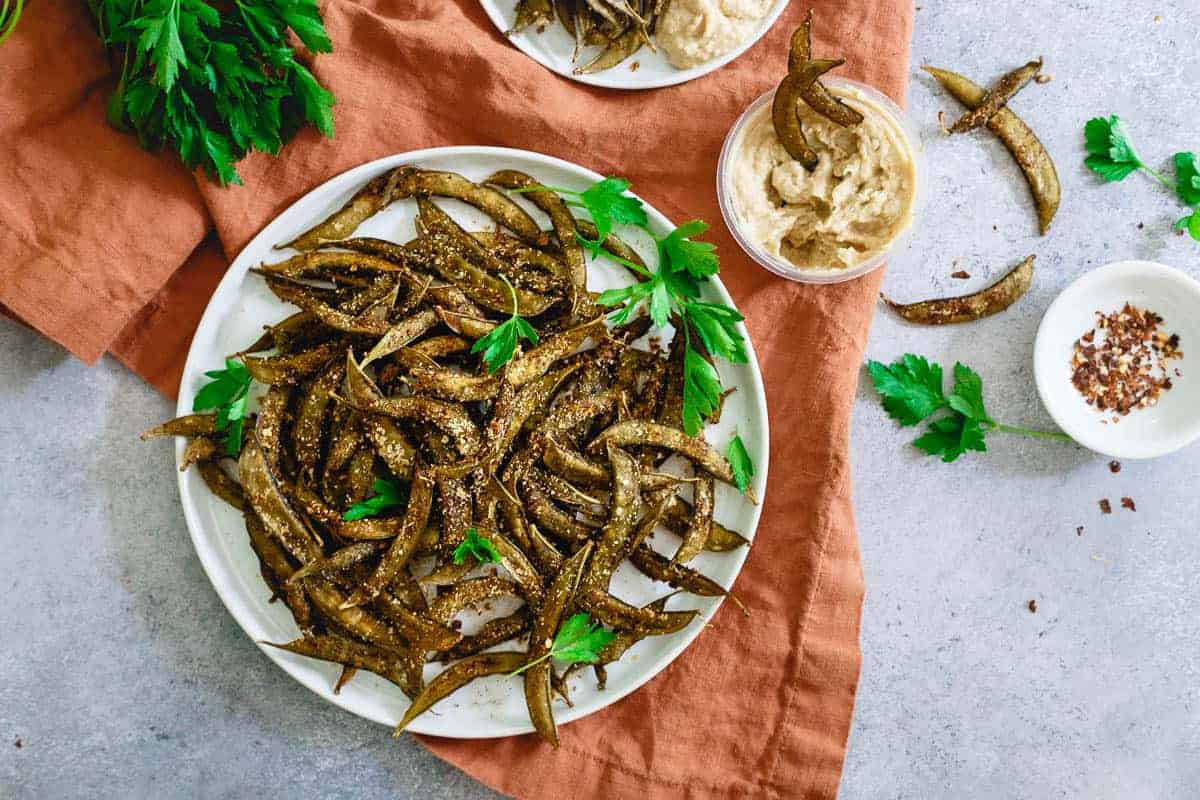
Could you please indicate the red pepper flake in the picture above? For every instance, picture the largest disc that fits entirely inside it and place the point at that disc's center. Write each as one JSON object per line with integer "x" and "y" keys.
{"x": 1105, "y": 506}
{"x": 1114, "y": 466}
{"x": 634, "y": 66}
{"x": 1127, "y": 502}
{"x": 18, "y": 743}
{"x": 962, "y": 274}
{"x": 1127, "y": 367}
{"x": 1033, "y": 606}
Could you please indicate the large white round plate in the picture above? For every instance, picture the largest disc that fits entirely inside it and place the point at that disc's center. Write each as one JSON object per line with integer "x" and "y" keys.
{"x": 552, "y": 49}
{"x": 493, "y": 706}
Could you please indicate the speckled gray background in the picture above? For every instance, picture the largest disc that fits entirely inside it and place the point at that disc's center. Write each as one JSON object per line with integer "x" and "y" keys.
{"x": 122, "y": 675}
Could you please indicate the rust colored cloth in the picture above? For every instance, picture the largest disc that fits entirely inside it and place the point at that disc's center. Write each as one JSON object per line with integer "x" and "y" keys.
{"x": 94, "y": 232}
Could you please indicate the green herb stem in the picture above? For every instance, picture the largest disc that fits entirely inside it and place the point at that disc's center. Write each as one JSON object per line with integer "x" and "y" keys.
{"x": 524, "y": 667}
{"x": 1158, "y": 176}
{"x": 1057, "y": 436}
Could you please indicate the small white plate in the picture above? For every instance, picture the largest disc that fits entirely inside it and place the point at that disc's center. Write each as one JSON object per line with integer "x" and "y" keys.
{"x": 494, "y": 706}
{"x": 552, "y": 49}
{"x": 1145, "y": 433}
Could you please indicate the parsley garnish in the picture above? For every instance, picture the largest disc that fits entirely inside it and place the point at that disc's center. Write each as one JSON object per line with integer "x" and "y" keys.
{"x": 578, "y": 642}
{"x": 606, "y": 203}
{"x": 388, "y": 494}
{"x": 227, "y": 392}
{"x": 740, "y": 463}
{"x": 499, "y": 345}
{"x": 214, "y": 84}
{"x": 1111, "y": 155}
{"x": 911, "y": 391}
{"x": 478, "y": 546}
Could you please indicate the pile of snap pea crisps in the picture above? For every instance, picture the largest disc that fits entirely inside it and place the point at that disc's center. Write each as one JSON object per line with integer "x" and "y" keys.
{"x": 396, "y": 474}
{"x": 620, "y": 27}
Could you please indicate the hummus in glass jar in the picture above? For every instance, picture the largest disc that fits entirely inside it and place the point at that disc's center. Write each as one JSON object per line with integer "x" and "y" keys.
{"x": 856, "y": 202}
{"x": 692, "y": 32}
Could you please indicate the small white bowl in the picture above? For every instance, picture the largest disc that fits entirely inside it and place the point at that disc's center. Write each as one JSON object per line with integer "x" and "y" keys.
{"x": 1144, "y": 433}
{"x": 781, "y": 266}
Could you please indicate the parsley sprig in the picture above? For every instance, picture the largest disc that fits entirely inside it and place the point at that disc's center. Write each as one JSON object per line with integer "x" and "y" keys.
{"x": 740, "y": 463}
{"x": 478, "y": 547}
{"x": 1111, "y": 155}
{"x": 227, "y": 393}
{"x": 912, "y": 391}
{"x": 578, "y": 642}
{"x": 214, "y": 84}
{"x": 606, "y": 203}
{"x": 388, "y": 494}
{"x": 500, "y": 344}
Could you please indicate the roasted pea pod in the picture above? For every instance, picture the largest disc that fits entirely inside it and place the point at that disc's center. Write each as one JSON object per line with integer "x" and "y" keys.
{"x": 200, "y": 448}
{"x": 329, "y": 601}
{"x": 533, "y": 269}
{"x": 543, "y": 511}
{"x": 492, "y": 633}
{"x": 564, "y": 228}
{"x": 219, "y": 483}
{"x": 572, "y": 465}
{"x": 669, "y": 571}
{"x": 495, "y": 204}
{"x": 616, "y": 533}
{"x": 531, "y": 12}
{"x": 514, "y": 560}
{"x": 308, "y": 431}
{"x": 269, "y": 504}
{"x": 816, "y": 95}
{"x": 457, "y": 676}
{"x": 541, "y": 640}
{"x": 619, "y": 614}
{"x": 469, "y": 593}
{"x": 341, "y": 559}
{"x": 968, "y": 308}
{"x": 699, "y": 528}
{"x": 450, "y": 384}
{"x": 365, "y": 203}
{"x": 421, "y": 632}
{"x": 319, "y": 263}
{"x": 189, "y": 425}
{"x": 614, "y": 52}
{"x": 1021, "y": 141}
{"x": 997, "y": 97}
{"x": 274, "y": 565}
{"x": 635, "y": 432}
{"x": 677, "y": 515}
{"x": 391, "y": 445}
{"x": 356, "y": 655}
{"x": 401, "y": 333}
{"x": 292, "y": 367}
{"x": 784, "y": 114}
{"x": 612, "y": 243}
{"x": 360, "y": 476}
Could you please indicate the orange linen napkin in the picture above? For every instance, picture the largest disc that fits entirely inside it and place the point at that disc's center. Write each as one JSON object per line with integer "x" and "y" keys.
{"x": 94, "y": 231}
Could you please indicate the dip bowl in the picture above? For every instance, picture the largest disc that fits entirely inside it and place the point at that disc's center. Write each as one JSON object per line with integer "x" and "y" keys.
{"x": 727, "y": 196}
{"x": 1174, "y": 421}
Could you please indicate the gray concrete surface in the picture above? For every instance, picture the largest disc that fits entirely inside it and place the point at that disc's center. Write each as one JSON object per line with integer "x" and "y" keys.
{"x": 121, "y": 674}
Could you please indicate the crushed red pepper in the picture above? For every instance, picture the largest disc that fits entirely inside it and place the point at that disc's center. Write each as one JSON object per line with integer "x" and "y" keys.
{"x": 1121, "y": 365}
{"x": 1105, "y": 506}
{"x": 1127, "y": 502}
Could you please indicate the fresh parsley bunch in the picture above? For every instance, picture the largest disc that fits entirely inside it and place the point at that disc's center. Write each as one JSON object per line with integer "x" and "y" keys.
{"x": 1111, "y": 155}
{"x": 214, "y": 84}
{"x": 912, "y": 391}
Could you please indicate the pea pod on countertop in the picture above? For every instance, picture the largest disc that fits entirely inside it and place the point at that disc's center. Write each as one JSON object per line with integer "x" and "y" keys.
{"x": 967, "y": 308}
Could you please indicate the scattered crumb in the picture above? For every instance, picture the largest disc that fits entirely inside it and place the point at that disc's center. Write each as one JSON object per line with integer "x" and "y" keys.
{"x": 1033, "y": 606}
{"x": 1079, "y": 531}
{"x": 18, "y": 743}
{"x": 1114, "y": 466}
{"x": 946, "y": 128}
{"x": 1141, "y": 226}
{"x": 541, "y": 28}
{"x": 1157, "y": 18}
{"x": 456, "y": 624}
{"x": 1043, "y": 78}
{"x": 1105, "y": 506}
{"x": 995, "y": 227}
{"x": 1127, "y": 502}
{"x": 962, "y": 274}
{"x": 634, "y": 66}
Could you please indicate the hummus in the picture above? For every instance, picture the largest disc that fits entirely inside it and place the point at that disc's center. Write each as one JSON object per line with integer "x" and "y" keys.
{"x": 692, "y": 32}
{"x": 849, "y": 209}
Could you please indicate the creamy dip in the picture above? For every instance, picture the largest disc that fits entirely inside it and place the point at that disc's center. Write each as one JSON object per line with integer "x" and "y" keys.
{"x": 847, "y": 210}
{"x": 692, "y": 32}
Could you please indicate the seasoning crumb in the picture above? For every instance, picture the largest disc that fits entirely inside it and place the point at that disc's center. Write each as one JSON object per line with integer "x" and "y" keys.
{"x": 1121, "y": 364}
{"x": 1141, "y": 226}
{"x": 1127, "y": 502}
{"x": 456, "y": 624}
{"x": 634, "y": 66}
{"x": 962, "y": 274}
{"x": 1033, "y": 606}
{"x": 942, "y": 122}
{"x": 18, "y": 743}
{"x": 1105, "y": 506}
{"x": 1114, "y": 466}
{"x": 1043, "y": 78}
{"x": 1079, "y": 531}
{"x": 541, "y": 28}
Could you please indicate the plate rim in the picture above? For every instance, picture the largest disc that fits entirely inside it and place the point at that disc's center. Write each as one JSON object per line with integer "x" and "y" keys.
{"x": 210, "y": 556}
{"x": 603, "y": 79}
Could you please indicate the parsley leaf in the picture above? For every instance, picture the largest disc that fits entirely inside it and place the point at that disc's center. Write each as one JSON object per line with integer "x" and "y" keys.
{"x": 1187, "y": 179}
{"x": 1111, "y": 154}
{"x": 388, "y": 494}
{"x": 578, "y": 642}
{"x": 1191, "y": 224}
{"x": 227, "y": 393}
{"x": 681, "y": 254}
{"x": 967, "y": 398}
{"x": 608, "y": 205}
{"x": 478, "y": 546}
{"x": 499, "y": 346}
{"x": 951, "y": 436}
{"x": 715, "y": 325}
{"x": 740, "y": 463}
{"x": 911, "y": 388}
{"x": 701, "y": 390}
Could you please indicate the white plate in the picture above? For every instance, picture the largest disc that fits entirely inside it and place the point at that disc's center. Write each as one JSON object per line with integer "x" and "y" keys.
{"x": 1146, "y": 433}
{"x": 494, "y": 706}
{"x": 552, "y": 49}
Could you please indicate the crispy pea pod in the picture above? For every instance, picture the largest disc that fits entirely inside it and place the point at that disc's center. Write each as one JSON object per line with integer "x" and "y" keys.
{"x": 534, "y": 363}
{"x": 329, "y": 601}
{"x": 456, "y": 676}
{"x": 355, "y": 655}
{"x": 308, "y": 431}
{"x": 401, "y": 333}
{"x": 341, "y": 559}
{"x": 450, "y": 384}
{"x": 442, "y": 346}
{"x": 514, "y": 560}
{"x": 784, "y": 114}
{"x": 541, "y": 640}
{"x": 616, "y": 533}
{"x": 997, "y": 97}
{"x": 564, "y": 228}
{"x": 365, "y": 203}
{"x": 372, "y": 321}
{"x": 543, "y": 510}
{"x": 636, "y": 432}
{"x": 200, "y": 448}
{"x": 408, "y": 536}
{"x": 219, "y": 483}
{"x": 564, "y": 492}
{"x": 345, "y": 438}
{"x": 531, "y": 12}
{"x": 188, "y": 425}
{"x": 615, "y": 52}
{"x": 968, "y": 308}
{"x": 612, "y": 243}
{"x": 800, "y": 45}
{"x": 468, "y": 593}
{"x": 572, "y": 465}
{"x": 530, "y": 268}
{"x": 619, "y": 614}
{"x": 816, "y": 95}
{"x": 289, "y": 333}
{"x": 492, "y": 633}
{"x": 495, "y": 204}
{"x": 700, "y": 526}
{"x": 1021, "y": 141}
{"x": 422, "y": 633}
{"x": 547, "y": 556}
{"x": 669, "y": 571}
{"x": 391, "y": 445}
{"x": 360, "y": 475}
{"x": 655, "y": 507}
{"x": 510, "y": 416}
{"x": 269, "y": 504}
{"x": 720, "y": 540}
{"x": 364, "y": 258}
{"x": 292, "y": 367}
{"x": 273, "y": 563}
